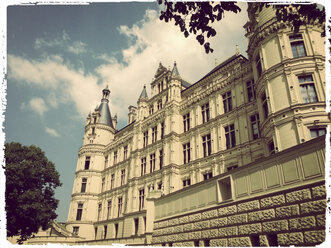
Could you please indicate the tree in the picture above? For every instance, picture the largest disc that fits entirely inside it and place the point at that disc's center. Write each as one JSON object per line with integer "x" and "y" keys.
{"x": 197, "y": 17}
{"x": 30, "y": 182}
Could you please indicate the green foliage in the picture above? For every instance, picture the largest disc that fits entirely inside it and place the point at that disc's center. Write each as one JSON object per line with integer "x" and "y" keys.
{"x": 197, "y": 17}
{"x": 30, "y": 182}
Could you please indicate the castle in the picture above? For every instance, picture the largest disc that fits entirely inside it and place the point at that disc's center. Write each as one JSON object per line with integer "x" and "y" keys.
{"x": 233, "y": 159}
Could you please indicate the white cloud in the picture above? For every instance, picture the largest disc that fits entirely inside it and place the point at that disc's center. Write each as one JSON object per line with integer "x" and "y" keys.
{"x": 52, "y": 132}
{"x": 150, "y": 41}
{"x": 37, "y": 105}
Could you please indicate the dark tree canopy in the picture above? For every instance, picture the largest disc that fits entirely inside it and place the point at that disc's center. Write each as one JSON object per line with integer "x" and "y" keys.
{"x": 197, "y": 17}
{"x": 30, "y": 182}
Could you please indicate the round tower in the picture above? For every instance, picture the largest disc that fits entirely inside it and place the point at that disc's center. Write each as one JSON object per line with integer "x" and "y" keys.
{"x": 99, "y": 131}
{"x": 289, "y": 78}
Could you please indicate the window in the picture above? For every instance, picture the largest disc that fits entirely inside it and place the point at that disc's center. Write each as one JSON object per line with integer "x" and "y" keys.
{"x": 258, "y": 66}
{"x": 225, "y": 189}
{"x": 122, "y": 177}
{"x": 94, "y": 120}
{"x": 205, "y": 112}
{"x": 196, "y": 243}
{"x": 75, "y": 230}
{"x": 141, "y": 199}
{"x": 162, "y": 130}
{"x": 83, "y": 187}
{"x": 95, "y": 232}
{"x": 255, "y": 240}
{"x": 136, "y": 225}
{"x": 112, "y": 181}
{"x": 230, "y": 136}
{"x": 103, "y": 184}
{"x": 316, "y": 132}
{"x": 207, "y": 176}
{"x": 99, "y": 211}
{"x": 115, "y": 157}
{"x": 272, "y": 239}
{"x": 186, "y": 153}
{"x": 154, "y": 134}
{"x": 143, "y": 166}
{"x": 106, "y": 161}
{"x": 151, "y": 109}
{"x": 93, "y": 130}
{"x": 206, "y": 145}
{"x": 125, "y": 153}
{"x": 227, "y": 102}
{"x": 232, "y": 167}
{"x": 307, "y": 87}
{"x": 79, "y": 211}
{"x": 159, "y": 185}
{"x": 146, "y": 138}
{"x": 87, "y": 162}
{"x": 159, "y": 104}
{"x": 186, "y": 182}
{"x": 116, "y": 229}
{"x": 265, "y": 105}
{"x": 186, "y": 122}
{"x": 152, "y": 162}
{"x": 255, "y": 123}
{"x": 297, "y": 46}
{"x": 109, "y": 210}
{"x": 161, "y": 158}
{"x": 105, "y": 231}
{"x": 271, "y": 147}
{"x": 206, "y": 242}
{"x": 250, "y": 86}
{"x": 120, "y": 203}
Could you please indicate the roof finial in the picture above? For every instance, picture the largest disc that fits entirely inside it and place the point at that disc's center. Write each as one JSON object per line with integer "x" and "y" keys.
{"x": 237, "y": 49}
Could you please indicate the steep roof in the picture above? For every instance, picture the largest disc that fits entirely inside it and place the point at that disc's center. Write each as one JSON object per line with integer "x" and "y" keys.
{"x": 105, "y": 117}
{"x": 143, "y": 94}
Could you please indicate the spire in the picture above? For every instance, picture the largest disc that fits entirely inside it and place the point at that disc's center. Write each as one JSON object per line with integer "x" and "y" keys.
{"x": 143, "y": 94}
{"x": 105, "y": 117}
{"x": 175, "y": 72}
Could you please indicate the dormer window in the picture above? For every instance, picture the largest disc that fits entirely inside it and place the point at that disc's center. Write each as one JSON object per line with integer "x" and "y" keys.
{"x": 151, "y": 109}
{"x": 159, "y": 104}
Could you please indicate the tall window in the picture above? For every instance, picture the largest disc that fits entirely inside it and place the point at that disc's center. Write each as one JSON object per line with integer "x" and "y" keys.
{"x": 99, "y": 211}
{"x": 265, "y": 105}
{"x": 146, "y": 138}
{"x": 154, "y": 134}
{"x": 83, "y": 187}
{"x": 258, "y": 66}
{"x": 87, "y": 162}
{"x": 151, "y": 109}
{"x": 161, "y": 158}
{"x": 143, "y": 166}
{"x": 125, "y": 153}
{"x": 79, "y": 211}
{"x": 271, "y": 147}
{"x": 297, "y": 46}
{"x": 141, "y": 199}
{"x": 109, "y": 210}
{"x": 120, "y": 204}
{"x": 116, "y": 229}
{"x": 250, "y": 86}
{"x": 105, "y": 231}
{"x": 159, "y": 104}
{"x": 136, "y": 225}
{"x": 186, "y": 182}
{"x": 255, "y": 123}
{"x": 186, "y": 153}
{"x": 186, "y": 122}
{"x": 162, "y": 130}
{"x": 93, "y": 130}
{"x": 206, "y": 145}
{"x": 106, "y": 161}
{"x": 103, "y": 184}
{"x": 152, "y": 162}
{"x": 205, "y": 112}
{"x": 307, "y": 87}
{"x": 207, "y": 175}
{"x": 227, "y": 101}
{"x": 122, "y": 177}
{"x": 115, "y": 157}
{"x": 230, "y": 136}
{"x": 112, "y": 181}
{"x": 316, "y": 132}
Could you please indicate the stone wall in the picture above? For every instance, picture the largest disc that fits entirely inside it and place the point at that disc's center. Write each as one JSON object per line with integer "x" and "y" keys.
{"x": 290, "y": 217}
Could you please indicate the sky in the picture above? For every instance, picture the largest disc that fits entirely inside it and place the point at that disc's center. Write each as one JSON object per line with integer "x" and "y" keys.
{"x": 60, "y": 57}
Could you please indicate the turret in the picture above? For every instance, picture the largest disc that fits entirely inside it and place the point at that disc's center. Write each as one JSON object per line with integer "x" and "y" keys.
{"x": 132, "y": 114}
{"x": 175, "y": 84}
{"x": 142, "y": 104}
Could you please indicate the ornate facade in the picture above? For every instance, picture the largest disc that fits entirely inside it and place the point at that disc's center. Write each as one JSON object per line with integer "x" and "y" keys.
{"x": 243, "y": 110}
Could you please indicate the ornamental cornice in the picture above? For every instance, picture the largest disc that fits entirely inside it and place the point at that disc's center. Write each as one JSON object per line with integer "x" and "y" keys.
{"x": 117, "y": 143}
{"x": 153, "y": 119}
{"x": 91, "y": 148}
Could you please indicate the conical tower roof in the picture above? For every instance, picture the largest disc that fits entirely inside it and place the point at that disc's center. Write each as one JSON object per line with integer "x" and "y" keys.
{"x": 143, "y": 94}
{"x": 105, "y": 116}
{"x": 174, "y": 72}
